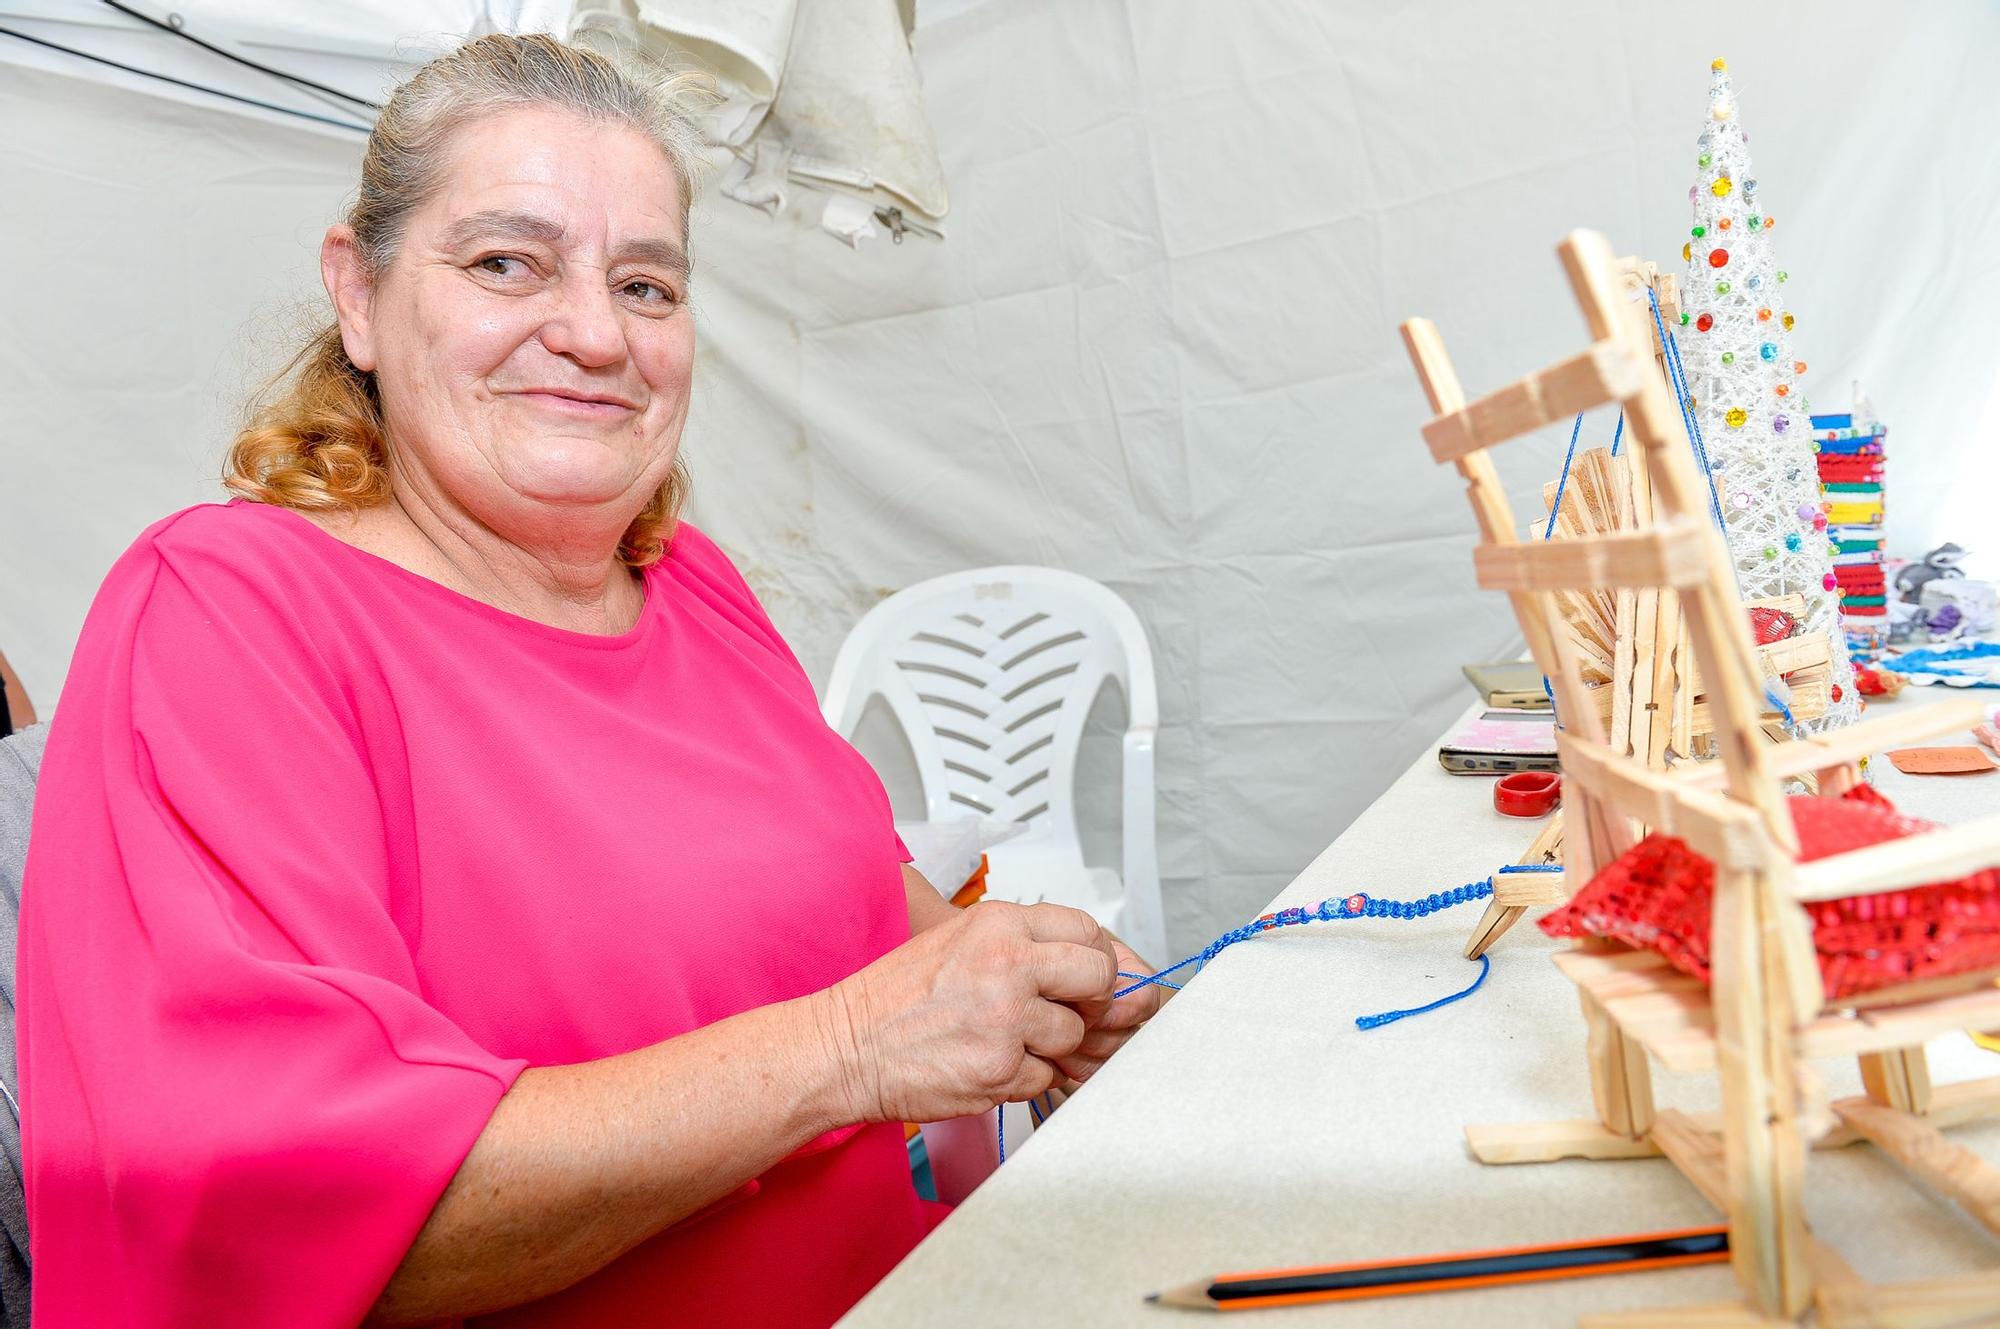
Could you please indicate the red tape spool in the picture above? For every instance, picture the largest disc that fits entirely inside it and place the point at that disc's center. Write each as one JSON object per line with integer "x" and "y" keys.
{"x": 1527, "y": 793}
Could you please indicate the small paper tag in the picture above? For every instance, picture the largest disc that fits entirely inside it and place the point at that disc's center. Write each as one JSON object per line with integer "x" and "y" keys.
{"x": 1965, "y": 760}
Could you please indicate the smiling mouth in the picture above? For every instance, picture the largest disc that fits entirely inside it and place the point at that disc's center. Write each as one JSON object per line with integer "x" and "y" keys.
{"x": 564, "y": 399}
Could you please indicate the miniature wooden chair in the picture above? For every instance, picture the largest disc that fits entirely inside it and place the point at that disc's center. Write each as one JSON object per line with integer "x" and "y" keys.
{"x": 1764, "y": 1012}
{"x": 1632, "y": 645}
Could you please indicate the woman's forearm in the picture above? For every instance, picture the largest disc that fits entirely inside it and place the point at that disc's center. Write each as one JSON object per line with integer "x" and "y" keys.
{"x": 578, "y": 1164}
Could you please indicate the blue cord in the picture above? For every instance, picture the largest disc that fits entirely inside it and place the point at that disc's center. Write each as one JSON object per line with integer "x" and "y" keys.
{"x": 1358, "y": 905}
{"x": 1678, "y": 374}
{"x": 1563, "y": 483}
{"x": 1390, "y": 1017}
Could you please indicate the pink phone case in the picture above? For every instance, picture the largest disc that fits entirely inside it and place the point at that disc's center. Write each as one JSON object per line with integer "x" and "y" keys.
{"x": 1505, "y": 733}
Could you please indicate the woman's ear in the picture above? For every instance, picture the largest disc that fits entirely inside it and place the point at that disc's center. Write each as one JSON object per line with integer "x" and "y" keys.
{"x": 352, "y": 287}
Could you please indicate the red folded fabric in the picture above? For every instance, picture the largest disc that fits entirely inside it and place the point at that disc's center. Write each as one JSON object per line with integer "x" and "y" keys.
{"x": 1658, "y": 896}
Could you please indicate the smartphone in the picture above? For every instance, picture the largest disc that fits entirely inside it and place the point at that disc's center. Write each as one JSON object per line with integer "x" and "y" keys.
{"x": 1509, "y": 685}
{"x": 1499, "y": 742}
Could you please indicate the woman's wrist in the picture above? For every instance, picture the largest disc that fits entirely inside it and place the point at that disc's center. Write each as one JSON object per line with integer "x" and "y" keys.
{"x": 838, "y": 1084}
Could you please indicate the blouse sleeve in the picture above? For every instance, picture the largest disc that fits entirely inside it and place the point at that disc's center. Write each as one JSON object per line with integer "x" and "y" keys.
{"x": 239, "y": 1107}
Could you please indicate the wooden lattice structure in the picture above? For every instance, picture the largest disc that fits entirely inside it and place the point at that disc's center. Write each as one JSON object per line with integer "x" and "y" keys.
{"x": 1764, "y": 1014}
{"x": 1632, "y": 645}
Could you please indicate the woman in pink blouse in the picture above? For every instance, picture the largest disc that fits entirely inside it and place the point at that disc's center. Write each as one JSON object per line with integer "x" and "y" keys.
{"x": 445, "y": 901}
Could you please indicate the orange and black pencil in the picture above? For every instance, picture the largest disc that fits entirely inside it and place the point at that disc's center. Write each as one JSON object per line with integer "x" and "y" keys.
{"x": 1441, "y": 1273}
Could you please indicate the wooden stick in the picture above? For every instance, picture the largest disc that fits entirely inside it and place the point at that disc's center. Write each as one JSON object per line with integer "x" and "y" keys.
{"x": 1899, "y": 1078}
{"x": 1917, "y": 860}
{"x": 1954, "y": 1172}
{"x": 1638, "y": 559}
{"x": 1765, "y": 1209}
{"x": 1603, "y": 373}
{"x": 1620, "y": 1081}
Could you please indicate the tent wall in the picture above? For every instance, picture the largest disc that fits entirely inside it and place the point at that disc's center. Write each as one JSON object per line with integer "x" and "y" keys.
{"x": 1158, "y": 349}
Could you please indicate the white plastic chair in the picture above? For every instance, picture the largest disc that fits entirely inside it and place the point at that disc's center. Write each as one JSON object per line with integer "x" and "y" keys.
{"x": 991, "y": 674}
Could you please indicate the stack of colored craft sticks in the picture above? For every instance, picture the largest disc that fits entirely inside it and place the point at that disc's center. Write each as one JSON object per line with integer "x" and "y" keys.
{"x": 1849, "y": 452}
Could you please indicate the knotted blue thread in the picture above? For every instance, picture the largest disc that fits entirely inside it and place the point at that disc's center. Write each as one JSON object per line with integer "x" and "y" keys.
{"x": 1358, "y": 905}
{"x": 1331, "y": 909}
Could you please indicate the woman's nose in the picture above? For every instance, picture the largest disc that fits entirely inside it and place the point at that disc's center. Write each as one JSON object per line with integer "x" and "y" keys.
{"x": 585, "y": 326}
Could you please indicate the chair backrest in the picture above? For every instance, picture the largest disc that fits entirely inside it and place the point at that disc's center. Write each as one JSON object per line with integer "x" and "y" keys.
{"x": 1679, "y": 550}
{"x": 992, "y": 673}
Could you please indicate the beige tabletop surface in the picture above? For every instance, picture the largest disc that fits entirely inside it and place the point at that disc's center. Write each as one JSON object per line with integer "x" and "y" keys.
{"x": 1251, "y": 1125}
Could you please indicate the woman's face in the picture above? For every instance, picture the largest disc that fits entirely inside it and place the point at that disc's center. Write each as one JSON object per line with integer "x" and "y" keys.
{"x": 531, "y": 337}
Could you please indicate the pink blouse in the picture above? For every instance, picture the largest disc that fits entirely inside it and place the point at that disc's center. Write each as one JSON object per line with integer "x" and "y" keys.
{"x": 325, "y": 854}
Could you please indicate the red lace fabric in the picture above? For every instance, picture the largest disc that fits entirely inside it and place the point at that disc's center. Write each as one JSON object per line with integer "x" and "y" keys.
{"x": 1658, "y": 894}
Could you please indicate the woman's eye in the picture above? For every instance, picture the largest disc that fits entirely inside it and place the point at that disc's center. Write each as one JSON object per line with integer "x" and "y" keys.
{"x": 649, "y": 292}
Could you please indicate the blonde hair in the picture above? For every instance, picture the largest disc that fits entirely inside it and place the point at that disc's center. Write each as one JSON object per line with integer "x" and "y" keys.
{"x": 316, "y": 439}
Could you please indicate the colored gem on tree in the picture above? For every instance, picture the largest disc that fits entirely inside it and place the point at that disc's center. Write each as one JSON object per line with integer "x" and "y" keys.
{"x": 1699, "y": 232}
{"x": 1687, "y": 253}
{"x": 1793, "y": 543}
{"x": 1829, "y": 581}
{"x": 1806, "y": 510}
{"x": 1722, "y": 288}
{"x": 1783, "y": 275}
{"x": 1755, "y": 282}
{"x": 1798, "y": 366}
{"x": 1769, "y": 222}
{"x": 1684, "y": 318}
{"x": 1705, "y": 322}
{"x": 1784, "y": 390}
{"x": 1787, "y": 321}
{"x": 1723, "y": 225}
{"x": 1737, "y": 415}
{"x": 1703, "y": 160}
{"x": 1741, "y": 499}
{"x": 1769, "y": 350}
{"x": 1750, "y": 185}
{"x": 1755, "y": 221}
{"x": 1819, "y": 522}
{"x": 1763, "y": 316}
{"x": 1718, "y": 64}
{"x": 1771, "y": 553}
{"x": 1779, "y": 424}
{"x": 1729, "y": 357}
{"x": 1718, "y": 258}
{"x": 1836, "y": 694}
{"x": 1721, "y": 187}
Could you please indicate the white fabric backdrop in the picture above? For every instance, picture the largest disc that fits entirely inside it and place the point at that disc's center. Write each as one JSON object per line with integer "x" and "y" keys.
{"x": 1159, "y": 347}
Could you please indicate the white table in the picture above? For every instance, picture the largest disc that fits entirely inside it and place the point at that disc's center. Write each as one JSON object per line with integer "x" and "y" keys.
{"x": 1252, "y": 1126}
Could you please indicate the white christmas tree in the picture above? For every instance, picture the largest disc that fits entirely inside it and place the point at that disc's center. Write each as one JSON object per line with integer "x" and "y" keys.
{"x": 1735, "y": 341}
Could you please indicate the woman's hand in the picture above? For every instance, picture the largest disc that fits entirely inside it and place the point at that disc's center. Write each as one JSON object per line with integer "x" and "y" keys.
{"x": 1120, "y": 1020}
{"x": 976, "y": 1010}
